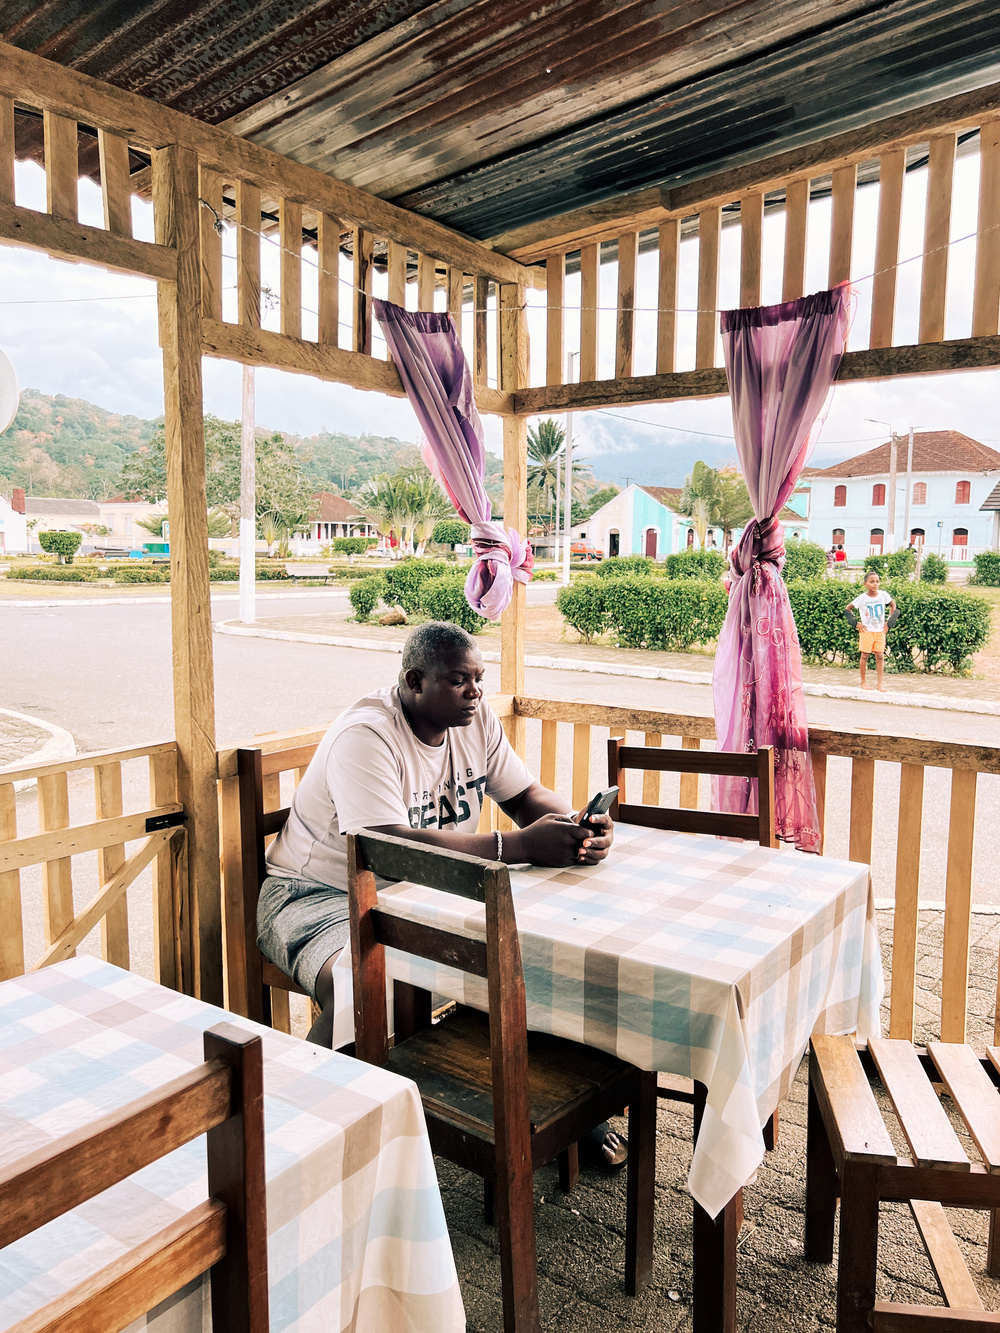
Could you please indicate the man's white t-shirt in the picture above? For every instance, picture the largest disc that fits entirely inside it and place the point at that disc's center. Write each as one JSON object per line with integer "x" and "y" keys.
{"x": 871, "y": 611}
{"x": 370, "y": 770}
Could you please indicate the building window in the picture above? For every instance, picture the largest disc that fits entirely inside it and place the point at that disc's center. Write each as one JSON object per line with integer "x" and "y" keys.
{"x": 962, "y": 492}
{"x": 128, "y": 526}
{"x": 875, "y": 540}
{"x": 920, "y": 492}
{"x": 838, "y": 537}
{"x": 917, "y": 536}
{"x": 878, "y": 494}
{"x": 960, "y": 537}
{"x": 839, "y": 497}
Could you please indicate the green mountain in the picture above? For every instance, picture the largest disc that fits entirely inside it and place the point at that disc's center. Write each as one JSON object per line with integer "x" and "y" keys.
{"x": 73, "y": 449}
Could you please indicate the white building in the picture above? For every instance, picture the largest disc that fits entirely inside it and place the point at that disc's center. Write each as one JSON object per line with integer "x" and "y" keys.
{"x": 851, "y": 504}
{"x": 13, "y": 529}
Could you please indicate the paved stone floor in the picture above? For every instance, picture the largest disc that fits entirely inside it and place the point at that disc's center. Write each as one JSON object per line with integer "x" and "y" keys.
{"x": 19, "y": 740}
{"x": 581, "y": 1235}
{"x": 336, "y": 626}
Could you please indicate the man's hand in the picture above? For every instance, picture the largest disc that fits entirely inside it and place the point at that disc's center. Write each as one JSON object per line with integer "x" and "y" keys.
{"x": 555, "y": 840}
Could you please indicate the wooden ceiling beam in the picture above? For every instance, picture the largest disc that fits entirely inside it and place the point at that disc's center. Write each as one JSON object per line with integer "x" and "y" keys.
{"x": 42, "y": 84}
{"x": 877, "y": 363}
{"x": 647, "y": 208}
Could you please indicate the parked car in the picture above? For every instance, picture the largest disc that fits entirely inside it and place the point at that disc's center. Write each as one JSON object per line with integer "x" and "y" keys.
{"x": 584, "y": 551}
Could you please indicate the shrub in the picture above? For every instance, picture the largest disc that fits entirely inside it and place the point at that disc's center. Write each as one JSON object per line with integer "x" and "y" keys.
{"x": 52, "y": 574}
{"x": 545, "y": 575}
{"x": 933, "y": 569}
{"x": 225, "y": 574}
{"x": 902, "y": 563}
{"x": 618, "y": 565}
{"x": 450, "y": 532}
{"x": 803, "y": 560}
{"x": 877, "y": 564}
{"x": 352, "y": 545}
{"x": 987, "y": 569}
{"x": 671, "y": 614}
{"x": 402, "y": 581}
{"x": 701, "y": 564}
{"x": 271, "y": 573}
{"x": 128, "y": 574}
{"x": 582, "y": 606}
{"x": 62, "y": 544}
{"x": 366, "y": 594}
{"x": 937, "y": 629}
{"x": 443, "y": 598}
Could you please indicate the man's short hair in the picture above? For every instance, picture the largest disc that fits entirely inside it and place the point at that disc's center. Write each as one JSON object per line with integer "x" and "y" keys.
{"x": 438, "y": 641}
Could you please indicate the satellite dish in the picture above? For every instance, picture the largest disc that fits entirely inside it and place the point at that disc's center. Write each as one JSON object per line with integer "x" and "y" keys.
{"x": 10, "y": 394}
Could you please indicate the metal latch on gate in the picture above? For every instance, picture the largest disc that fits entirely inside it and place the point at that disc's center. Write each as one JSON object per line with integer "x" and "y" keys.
{"x": 156, "y": 822}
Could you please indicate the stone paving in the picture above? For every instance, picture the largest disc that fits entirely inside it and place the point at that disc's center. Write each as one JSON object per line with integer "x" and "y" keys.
{"x": 335, "y": 627}
{"x": 581, "y": 1235}
{"x": 19, "y": 740}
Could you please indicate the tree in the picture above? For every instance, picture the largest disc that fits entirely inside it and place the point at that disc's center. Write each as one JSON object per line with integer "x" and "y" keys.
{"x": 698, "y": 500}
{"x": 63, "y": 545}
{"x": 594, "y": 502}
{"x": 546, "y": 457}
{"x": 450, "y": 532}
{"x": 733, "y": 507}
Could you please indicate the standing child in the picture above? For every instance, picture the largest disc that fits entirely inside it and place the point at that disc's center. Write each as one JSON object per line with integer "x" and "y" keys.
{"x": 873, "y": 609}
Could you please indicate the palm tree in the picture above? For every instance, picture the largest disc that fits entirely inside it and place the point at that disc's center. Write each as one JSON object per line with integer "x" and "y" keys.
{"x": 546, "y": 454}
{"x": 733, "y": 507}
{"x": 699, "y": 500}
{"x": 428, "y": 504}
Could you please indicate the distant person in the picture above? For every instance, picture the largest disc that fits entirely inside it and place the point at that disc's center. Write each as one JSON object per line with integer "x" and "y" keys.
{"x": 873, "y": 610}
{"x": 839, "y": 556}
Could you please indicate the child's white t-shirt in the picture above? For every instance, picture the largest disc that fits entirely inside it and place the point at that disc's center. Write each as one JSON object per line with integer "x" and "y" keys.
{"x": 872, "y": 611}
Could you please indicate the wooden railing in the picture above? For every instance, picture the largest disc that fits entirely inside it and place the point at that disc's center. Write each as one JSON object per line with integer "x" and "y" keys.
{"x": 51, "y": 848}
{"x": 567, "y": 750}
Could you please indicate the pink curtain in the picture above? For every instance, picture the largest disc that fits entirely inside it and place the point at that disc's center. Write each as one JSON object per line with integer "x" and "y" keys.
{"x": 428, "y": 354}
{"x": 780, "y": 362}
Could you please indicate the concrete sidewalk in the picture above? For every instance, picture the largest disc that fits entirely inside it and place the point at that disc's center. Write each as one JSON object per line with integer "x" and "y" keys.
{"x": 923, "y": 691}
{"x": 28, "y": 740}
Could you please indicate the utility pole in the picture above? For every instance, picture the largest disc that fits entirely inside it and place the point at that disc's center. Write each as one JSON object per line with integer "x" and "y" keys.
{"x": 248, "y": 502}
{"x": 893, "y": 458}
{"x": 568, "y": 483}
{"x": 909, "y": 492}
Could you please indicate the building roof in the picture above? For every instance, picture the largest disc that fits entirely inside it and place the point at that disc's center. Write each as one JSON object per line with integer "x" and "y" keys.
{"x": 659, "y": 493}
{"x": 330, "y": 508}
{"x": 933, "y": 451}
{"x": 44, "y": 504}
{"x": 495, "y": 116}
{"x": 992, "y": 501}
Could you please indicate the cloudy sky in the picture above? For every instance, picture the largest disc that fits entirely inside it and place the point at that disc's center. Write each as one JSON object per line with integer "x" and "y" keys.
{"x": 76, "y": 330}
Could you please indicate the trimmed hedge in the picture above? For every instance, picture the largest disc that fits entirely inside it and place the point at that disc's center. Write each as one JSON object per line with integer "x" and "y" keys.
{"x": 129, "y": 575}
{"x": 582, "y": 606}
{"x": 402, "y": 581}
{"x": 933, "y": 569}
{"x": 62, "y": 544}
{"x": 987, "y": 569}
{"x": 803, "y": 560}
{"x": 54, "y": 574}
{"x": 667, "y": 614}
{"x": 450, "y": 532}
{"x": 352, "y": 545}
{"x": 444, "y": 599}
{"x": 701, "y": 564}
{"x": 617, "y": 565}
{"x": 897, "y": 565}
{"x": 366, "y": 594}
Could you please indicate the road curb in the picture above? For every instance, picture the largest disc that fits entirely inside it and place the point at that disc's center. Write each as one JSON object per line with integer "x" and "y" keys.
{"x": 153, "y": 598}
{"x": 941, "y": 702}
{"x": 60, "y": 745}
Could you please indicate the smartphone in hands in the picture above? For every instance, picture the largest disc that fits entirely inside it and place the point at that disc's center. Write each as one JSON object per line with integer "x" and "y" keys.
{"x": 598, "y": 804}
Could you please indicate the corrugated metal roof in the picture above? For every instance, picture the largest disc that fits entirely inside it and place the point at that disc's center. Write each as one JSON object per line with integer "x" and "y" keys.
{"x": 491, "y": 113}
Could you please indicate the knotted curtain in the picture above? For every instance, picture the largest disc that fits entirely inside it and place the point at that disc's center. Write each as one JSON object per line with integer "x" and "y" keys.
{"x": 781, "y": 361}
{"x": 428, "y": 354}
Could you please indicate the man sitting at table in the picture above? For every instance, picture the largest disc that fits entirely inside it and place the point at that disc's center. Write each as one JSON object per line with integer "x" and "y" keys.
{"x": 413, "y": 760}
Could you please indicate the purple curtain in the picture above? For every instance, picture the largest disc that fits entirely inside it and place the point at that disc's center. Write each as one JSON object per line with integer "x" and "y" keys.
{"x": 781, "y": 361}
{"x": 428, "y": 354}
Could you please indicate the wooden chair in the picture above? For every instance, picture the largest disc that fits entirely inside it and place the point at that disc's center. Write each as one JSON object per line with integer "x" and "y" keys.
{"x": 850, "y": 1153}
{"x": 498, "y": 1101}
{"x": 758, "y": 767}
{"x": 227, "y": 1233}
{"x": 256, "y": 825}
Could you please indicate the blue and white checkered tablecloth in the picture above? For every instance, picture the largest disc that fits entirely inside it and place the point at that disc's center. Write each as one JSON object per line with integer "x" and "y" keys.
{"x": 356, "y": 1231}
{"x": 693, "y": 955}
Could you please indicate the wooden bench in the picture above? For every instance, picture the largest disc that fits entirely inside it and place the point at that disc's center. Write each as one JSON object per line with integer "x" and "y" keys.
{"x": 851, "y": 1153}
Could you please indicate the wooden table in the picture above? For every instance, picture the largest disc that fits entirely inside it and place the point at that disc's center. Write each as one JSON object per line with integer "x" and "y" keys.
{"x": 700, "y": 957}
{"x": 356, "y": 1231}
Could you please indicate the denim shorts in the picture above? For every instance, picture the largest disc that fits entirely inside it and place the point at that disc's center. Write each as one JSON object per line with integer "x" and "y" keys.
{"x": 300, "y": 925}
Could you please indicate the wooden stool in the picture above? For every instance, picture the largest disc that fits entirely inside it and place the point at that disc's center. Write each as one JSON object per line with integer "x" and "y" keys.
{"x": 850, "y": 1153}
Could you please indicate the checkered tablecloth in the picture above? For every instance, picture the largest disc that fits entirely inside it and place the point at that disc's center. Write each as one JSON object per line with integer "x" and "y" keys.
{"x": 692, "y": 955}
{"x": 356, "y": 1232}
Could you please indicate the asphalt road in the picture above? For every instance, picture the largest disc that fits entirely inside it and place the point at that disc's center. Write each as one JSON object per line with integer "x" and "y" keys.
{"x": 103, "y": 672}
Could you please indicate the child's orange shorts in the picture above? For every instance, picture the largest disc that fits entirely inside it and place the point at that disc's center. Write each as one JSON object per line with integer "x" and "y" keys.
{"x": 872, "y": 642}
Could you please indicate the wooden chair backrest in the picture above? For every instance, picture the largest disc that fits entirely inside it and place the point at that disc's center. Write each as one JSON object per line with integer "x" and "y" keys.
{"x": 757, "y": 767}
{"x": 223, "y": 1098}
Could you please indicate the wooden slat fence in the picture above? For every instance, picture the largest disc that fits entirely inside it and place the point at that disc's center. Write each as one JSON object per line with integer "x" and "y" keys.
{"x": 60, "y": 844}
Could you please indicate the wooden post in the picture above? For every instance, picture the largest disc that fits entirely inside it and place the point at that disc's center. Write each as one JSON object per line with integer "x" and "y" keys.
{"x": 751, "y": 240}
{"x": 61, "y": 168}
{"x": 549, "y": 766}
{"x": 590, "y": 269}
{"x": 581, "y": 764}
{"x": 555, "y": 323}
{"x": 845, "y": 181}
{"x": 114, "y": 923}
{"x": 291, "y": 267}
{"x": 986, "y": 305}
{"x": 175, "y": 204}
{"x": 937, "y": 224}
{"x": 396, "y": 264}
{"x": 363, "y": 272}
{"x": 514, "y": 376}
{"x": 690, "y": 782}
{"x": 171, "y": 919}
{"x": 211, "y": 244}
{"x": 11, "y": 928}
{"x": 958, "y": 905}
{"x": 456, "y": 295}
{"x": 862, "y": 807}
{"x": 651, "y": 776}
{"x": 628, "y": 258}
{"x": 793, "y": 278}
{"x": 666, "y": 299}
{"x": 426, "y": 273}
{"x": 247, "y": 258}
{"x": 709, "y": 235}
{"x": 892, "y": 172}
{"x": 481, "y": 366}
{"x": 6, "y": 150}
{"x": 328, "y": 258}
{"x": 906, "y": 916}
{"x": 117, "y": 196}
